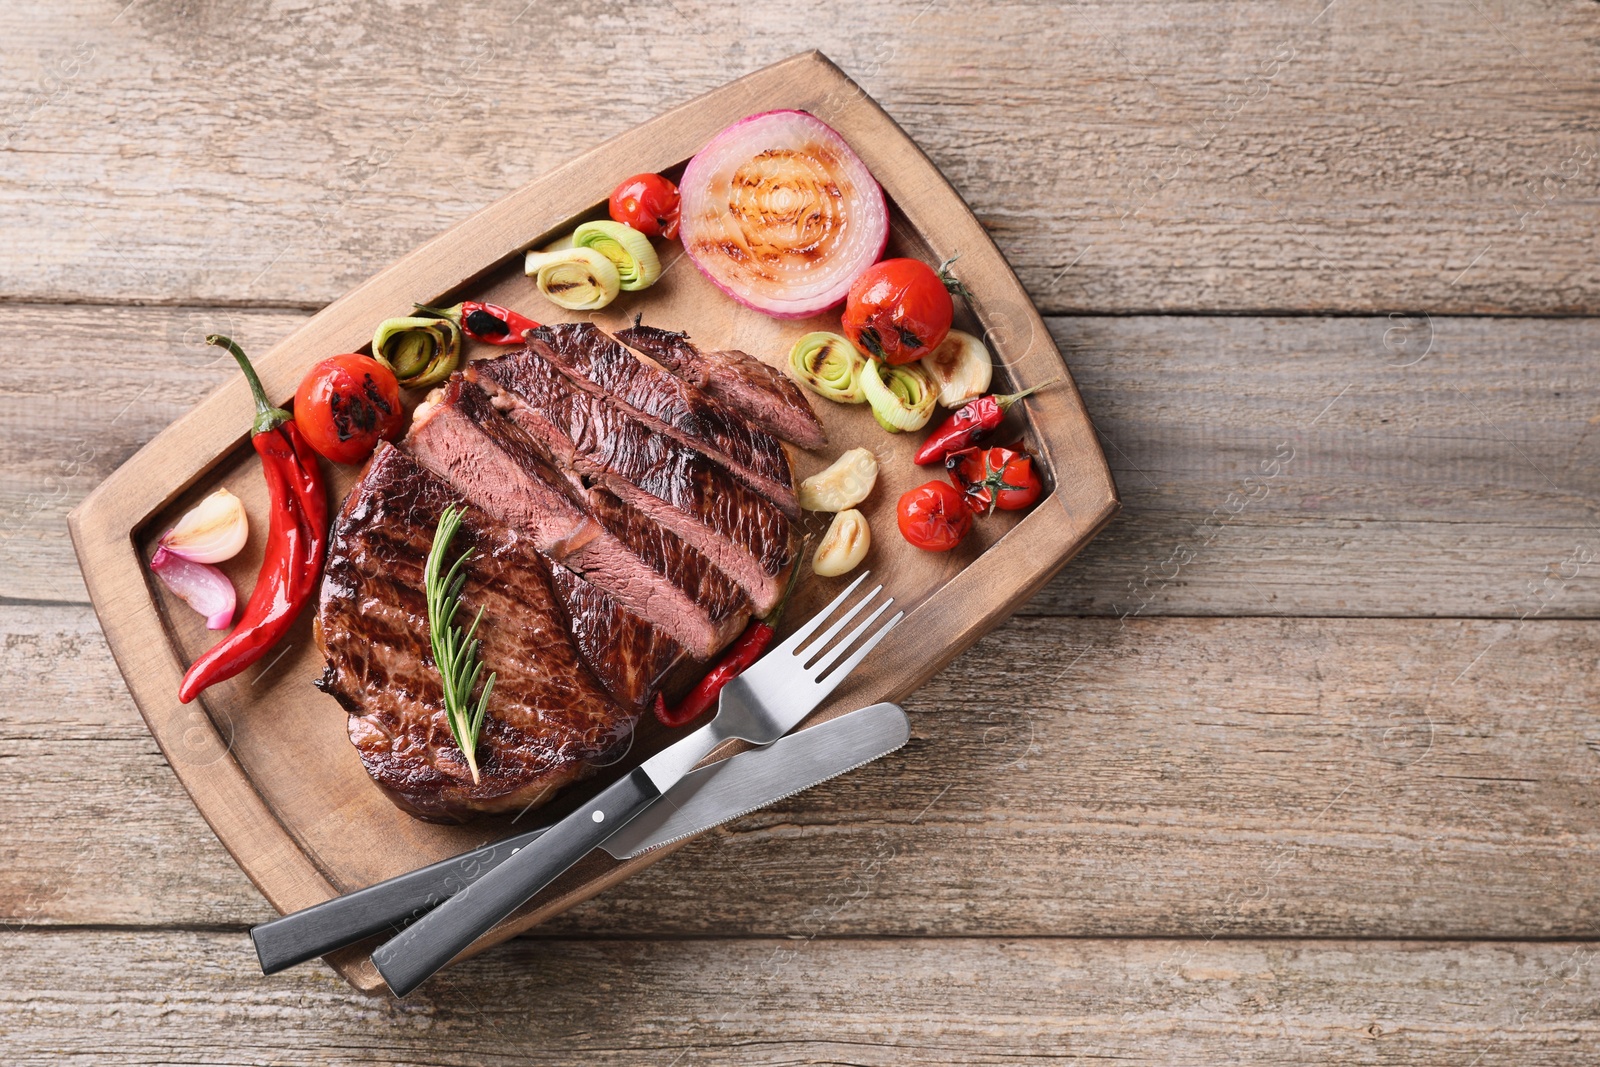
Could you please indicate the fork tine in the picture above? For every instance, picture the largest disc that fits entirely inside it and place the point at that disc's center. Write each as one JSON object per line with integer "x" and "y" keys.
{"x": 840, "y": 673}
{"x": 814, "y": 648}
{"x": 817, "y": 669}
{"x": 797, "y": 638}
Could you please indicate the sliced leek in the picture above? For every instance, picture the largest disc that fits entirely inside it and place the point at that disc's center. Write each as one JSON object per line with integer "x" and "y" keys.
{"x": 830, "y": 366}
{"x": 962, "y": 368}
{"x": 628, "y": 250}
{"x": 902, "y": 397}
{"x": 421, "y": 351}
{"x": 578, "y": 279}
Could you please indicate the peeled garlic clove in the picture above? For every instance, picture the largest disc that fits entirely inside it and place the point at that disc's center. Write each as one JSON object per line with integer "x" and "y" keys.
{"x": 213, "y": 530}
{"x": 961, "y": 367}
{"x": 843, "y": 485}
{"x": 844, "y": 546}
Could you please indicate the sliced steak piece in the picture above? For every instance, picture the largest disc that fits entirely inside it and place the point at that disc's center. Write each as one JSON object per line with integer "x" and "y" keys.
{"x": 739, "y": 530}
{"x": 462, "y": 438}
{"x": 549, "y": 718}
{"x": 630, "y": 657}
{"x": 762, "y": 394}
{"x": 595, "y": 362}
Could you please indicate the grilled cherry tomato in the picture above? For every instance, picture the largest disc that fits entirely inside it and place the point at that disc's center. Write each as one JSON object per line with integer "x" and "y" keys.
{"x": 648, "y": 203}
{"x": 899, "y": 310}
{"x": 992, "y": 478}
{"x": 346, "y": 404}
{"x": 934, "y": 517}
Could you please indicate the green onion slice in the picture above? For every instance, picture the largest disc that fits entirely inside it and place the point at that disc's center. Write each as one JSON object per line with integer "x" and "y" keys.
{"x": 421, "y": 351}
{"x": 630, "y": 252}
{"x": 830, "y": 366}
{"x": 902, "y": 397}
{"x": 578, "y": 279}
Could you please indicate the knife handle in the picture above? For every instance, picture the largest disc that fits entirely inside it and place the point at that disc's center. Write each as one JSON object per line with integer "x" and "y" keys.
{"x": 422, "y": 948}
{"x": 389, "y": 905}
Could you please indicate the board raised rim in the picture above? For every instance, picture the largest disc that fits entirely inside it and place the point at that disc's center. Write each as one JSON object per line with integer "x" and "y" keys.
{"x": 975, "y": 600}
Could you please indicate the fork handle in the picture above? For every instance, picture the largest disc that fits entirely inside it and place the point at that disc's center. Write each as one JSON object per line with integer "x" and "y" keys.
{"x": 425, "y": 946}
{"x": 386, "y": 906}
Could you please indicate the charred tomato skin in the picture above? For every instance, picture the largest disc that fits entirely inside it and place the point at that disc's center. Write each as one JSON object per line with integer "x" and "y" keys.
{"x": 934, "y": 517}
{"x": 346, "y": 404}
{"x": 647, "y": 203}
{"x": 991, "y": 478}
{"x": 898, "y": 310}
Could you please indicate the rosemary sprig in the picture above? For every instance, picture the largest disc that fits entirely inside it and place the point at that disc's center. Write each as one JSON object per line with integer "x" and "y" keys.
{"x": 455, "y": 653}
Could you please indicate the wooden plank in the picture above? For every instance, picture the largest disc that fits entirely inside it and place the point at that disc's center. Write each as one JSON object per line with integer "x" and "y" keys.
{"x": 1462, "y": 485}
{"x": 91, "y": 387}
{"x": 94, "y": 996}
{"x": 1158, "y": 777}
{"x": 1128, "y": 157}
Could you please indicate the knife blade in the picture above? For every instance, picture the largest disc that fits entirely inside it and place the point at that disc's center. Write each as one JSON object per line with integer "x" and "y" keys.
{"x": 701, "y": 800}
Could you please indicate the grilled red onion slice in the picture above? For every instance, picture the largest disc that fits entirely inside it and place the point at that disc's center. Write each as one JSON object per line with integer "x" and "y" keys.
{"x": 781, "y": 214}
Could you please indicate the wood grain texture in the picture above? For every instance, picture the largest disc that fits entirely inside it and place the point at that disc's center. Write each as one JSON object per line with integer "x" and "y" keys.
{"x": 1161, "y": 777}
{"x": 1461, "y": 485}
{"x": 245, "y": 164}
{"x": 184, "y": 996}
{"x": 1127, "y": 157}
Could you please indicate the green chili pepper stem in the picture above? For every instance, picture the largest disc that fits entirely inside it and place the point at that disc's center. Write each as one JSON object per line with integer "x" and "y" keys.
{"x": 268, "y": 417}
{"x": 1008, "y": 399}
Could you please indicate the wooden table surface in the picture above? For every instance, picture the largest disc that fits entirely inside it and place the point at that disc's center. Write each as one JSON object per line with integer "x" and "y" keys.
{"x": 1295, "y": 763}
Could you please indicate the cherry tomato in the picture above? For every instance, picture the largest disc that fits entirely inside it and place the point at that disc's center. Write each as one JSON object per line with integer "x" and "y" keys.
{"x": 648, "y": 203}
{"x": 933, "y": 516}
{"x": 992, "y": 478}
{"x": 898, "y": 310}
{"x": 346, "y": 404}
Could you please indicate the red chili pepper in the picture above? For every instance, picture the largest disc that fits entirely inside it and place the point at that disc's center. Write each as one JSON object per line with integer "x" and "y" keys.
{"x": 734, "y": 662}
{"x": 489, "y": 323}
{"x": 297, "y": 534}
{"x": 969, "y": 425}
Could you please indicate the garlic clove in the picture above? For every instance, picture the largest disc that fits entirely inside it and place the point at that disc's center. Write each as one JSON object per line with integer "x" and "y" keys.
{"x": 844, "y": 484}
{"x": 200, "y": 585}
{"x": 213, "y": 530}
{"x": 844, "y": 546}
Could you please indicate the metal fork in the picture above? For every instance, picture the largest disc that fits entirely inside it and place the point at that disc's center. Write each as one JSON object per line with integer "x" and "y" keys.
{"x": 761, "y": 705}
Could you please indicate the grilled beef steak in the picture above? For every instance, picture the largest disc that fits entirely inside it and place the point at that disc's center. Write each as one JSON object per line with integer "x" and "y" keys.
{"x": 667, "y": 404}
{"x": 743, "y": 533}
{"x": 631, "y": 658}
{"x": 551, "y": 718}
{"x": 622, "y": 522}
{"x": 762, "y": 394}
{"x": 490, "y": 461}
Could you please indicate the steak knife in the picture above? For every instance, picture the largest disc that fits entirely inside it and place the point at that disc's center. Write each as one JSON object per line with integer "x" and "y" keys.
{"x": 761, "y": 705}
{"x": 703, "y": 799}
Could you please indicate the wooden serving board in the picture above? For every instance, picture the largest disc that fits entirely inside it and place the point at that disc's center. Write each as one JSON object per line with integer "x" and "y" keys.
{"x": 265, "y": 756}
